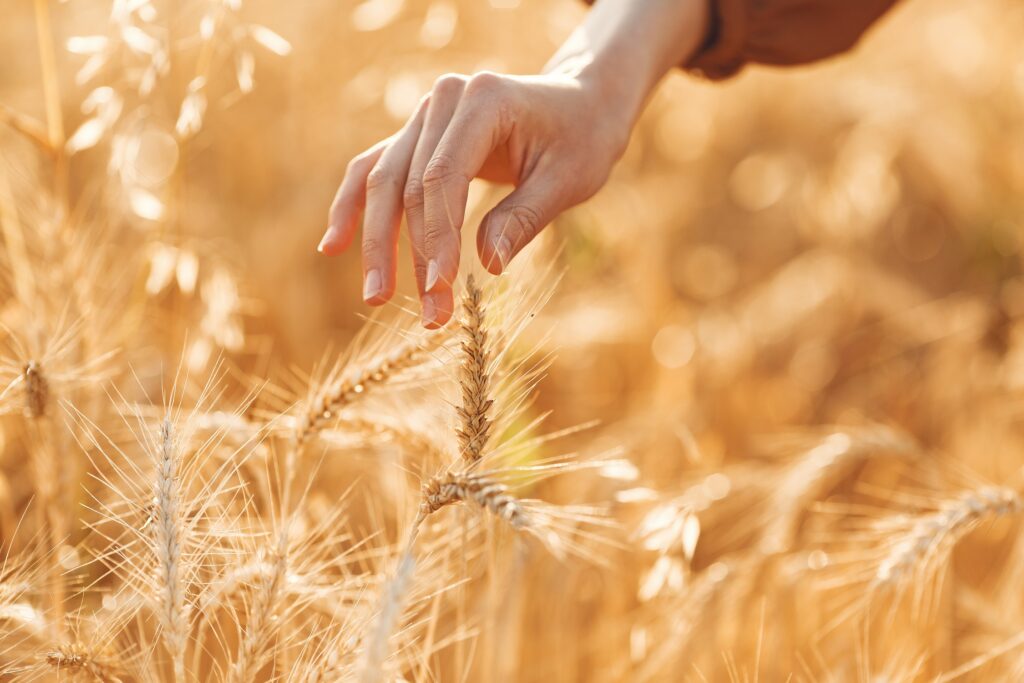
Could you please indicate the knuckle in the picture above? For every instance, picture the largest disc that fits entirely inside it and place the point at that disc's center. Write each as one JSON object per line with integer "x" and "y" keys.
{"x": 526, "y": 220}
{"x": 448, "y": 85}
{"x": 434, "y": 233}
{"x": 356, "y": 163}
{"x": 412, "y": 195}
{"x": 484, "y": 83}
{"x": 380, "y": 177}
{"x": 439, "y": 169}
{"x": 372, "y": 246}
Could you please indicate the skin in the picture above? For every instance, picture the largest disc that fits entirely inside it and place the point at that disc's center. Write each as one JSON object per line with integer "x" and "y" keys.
{"x": 554, "y": 136}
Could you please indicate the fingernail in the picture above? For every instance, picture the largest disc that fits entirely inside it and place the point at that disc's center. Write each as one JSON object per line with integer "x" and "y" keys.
{"x": 433, "y": 274}
{"x": 504, "y": 250}
{"x": 429, "y": 312}
{"x": 372, "y": 285}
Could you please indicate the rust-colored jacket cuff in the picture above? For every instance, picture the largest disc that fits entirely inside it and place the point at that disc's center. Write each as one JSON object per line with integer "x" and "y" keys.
{"x": 781, "y": 32}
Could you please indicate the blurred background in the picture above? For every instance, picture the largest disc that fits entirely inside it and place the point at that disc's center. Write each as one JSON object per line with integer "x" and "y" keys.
{"x": 839, "y": 244}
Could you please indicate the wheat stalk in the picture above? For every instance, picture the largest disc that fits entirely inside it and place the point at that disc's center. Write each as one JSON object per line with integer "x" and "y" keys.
{"x": 474, "y": 377}
{"x": 30, "y": 128}
{"x": 52, "y": 101}
{"x": 392, "y": 603}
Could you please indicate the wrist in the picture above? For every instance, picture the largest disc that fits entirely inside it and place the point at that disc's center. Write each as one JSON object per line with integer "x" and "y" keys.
{"x": 623, "y": 50}
{"x": 608, "y": 93}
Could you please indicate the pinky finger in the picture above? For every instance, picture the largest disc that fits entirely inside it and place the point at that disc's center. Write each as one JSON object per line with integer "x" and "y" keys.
{"x": 349, "y": 201}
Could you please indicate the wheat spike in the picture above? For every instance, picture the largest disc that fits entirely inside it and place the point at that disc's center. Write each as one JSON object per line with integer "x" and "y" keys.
{"x": 455, "y": 487}
{"x": 77, "y": 658}
{"x": 337, "y": 394}
{"x": 820, "y": 467}
{"x": 474, "y": 377}
{"x": 937, "y": 530}
{"x": 252, "y": 653}
{"x": 167, "y": 531}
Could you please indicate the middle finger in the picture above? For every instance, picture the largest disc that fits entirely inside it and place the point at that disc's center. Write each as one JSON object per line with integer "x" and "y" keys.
{"x": 437, "y": 305}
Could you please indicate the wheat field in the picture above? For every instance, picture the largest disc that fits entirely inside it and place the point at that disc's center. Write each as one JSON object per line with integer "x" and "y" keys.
{"x": 752, "y": 413}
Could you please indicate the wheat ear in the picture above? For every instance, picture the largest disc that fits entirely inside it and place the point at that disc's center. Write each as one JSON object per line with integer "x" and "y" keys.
{"x": 454, "y": 487}
{"x": 938, "y": 530}
{"x": 168, "y": 537}
{"x": 474, "y": 376}
{"x": 823, "y": 466}
{"x": 252, "y": 651}
{"x": 326, "y": 404}
{"x": 77, "y": 658}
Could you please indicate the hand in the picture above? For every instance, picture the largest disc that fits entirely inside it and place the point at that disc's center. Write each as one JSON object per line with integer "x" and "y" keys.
{"x": 554, "y": 137}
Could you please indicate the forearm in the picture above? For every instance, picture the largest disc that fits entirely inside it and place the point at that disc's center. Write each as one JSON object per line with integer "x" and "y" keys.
{"x": 626, "y": 46}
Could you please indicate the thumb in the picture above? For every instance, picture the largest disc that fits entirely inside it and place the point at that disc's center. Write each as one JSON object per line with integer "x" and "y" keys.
{"x": 517, "y": 219}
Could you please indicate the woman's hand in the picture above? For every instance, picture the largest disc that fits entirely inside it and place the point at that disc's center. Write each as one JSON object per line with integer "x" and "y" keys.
{"x": 554, "y": 137}
{"x": 551, "y": 136}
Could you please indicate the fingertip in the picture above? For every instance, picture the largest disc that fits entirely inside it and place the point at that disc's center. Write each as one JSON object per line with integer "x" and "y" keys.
{"x": 433, "y": 275}
{"x": 334, "y": 241}
{"x": 377, "y": 288}
{"x": 437, "y": 309}
{"x": 491, "y": 260}
{"x": 325, "y": 241}
{"x": 429, "y": 316}
{"x": 493, "y": 244}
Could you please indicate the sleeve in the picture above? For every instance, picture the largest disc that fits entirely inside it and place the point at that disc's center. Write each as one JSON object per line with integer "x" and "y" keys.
{"x": 781, "y": 32}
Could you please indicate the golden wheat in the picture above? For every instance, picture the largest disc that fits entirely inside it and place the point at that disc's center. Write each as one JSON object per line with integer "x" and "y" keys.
{"x": 232, "y": 515}
{"x": 474, "y": 377}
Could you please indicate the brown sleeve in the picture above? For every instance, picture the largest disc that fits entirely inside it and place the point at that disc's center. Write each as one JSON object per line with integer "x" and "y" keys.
{"x": 781, "y": 32}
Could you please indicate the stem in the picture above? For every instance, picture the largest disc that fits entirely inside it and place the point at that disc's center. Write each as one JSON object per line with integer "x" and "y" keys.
{"x": 51, "y": 95}
{"x": 48, "y": 61}
{"x": 51, "y": 516}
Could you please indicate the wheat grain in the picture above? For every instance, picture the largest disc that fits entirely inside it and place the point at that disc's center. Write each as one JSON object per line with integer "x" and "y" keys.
{"x": 37, "y": 390}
